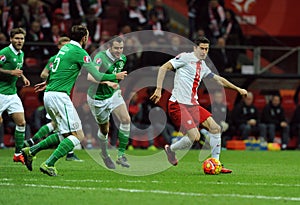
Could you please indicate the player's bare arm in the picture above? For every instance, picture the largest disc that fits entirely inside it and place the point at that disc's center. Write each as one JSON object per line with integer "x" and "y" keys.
{"x": 225, "y": 83}
{"x": 160, "y": 79}
{"x": 40, "y": 87}
{"x": 16, "y": 72}
{"x": 25, "y": 81}
{"x": 45, "y": 73}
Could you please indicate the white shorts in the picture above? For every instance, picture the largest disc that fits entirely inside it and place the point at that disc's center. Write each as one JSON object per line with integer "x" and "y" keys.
{"x": 101, "y": 109}
{"x": 62, "y": 111}
{"x": 11, "y": 103}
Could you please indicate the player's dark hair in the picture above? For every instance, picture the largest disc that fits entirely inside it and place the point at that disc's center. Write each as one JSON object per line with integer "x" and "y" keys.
{"x": 78, "y": 32}
{"x": 15, "y": 31}
{"x": 201, "y": 40}
{"x": 115, "y": 39}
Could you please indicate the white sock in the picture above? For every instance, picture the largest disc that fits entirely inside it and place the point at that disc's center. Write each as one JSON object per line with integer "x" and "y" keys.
{"x": 215, "y": 145}
{"x": 184, "y": 143}
{"x": 50, "y": 126}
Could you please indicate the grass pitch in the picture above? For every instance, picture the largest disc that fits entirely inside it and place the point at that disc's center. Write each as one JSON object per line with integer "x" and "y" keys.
{"x": 259, "y": 177}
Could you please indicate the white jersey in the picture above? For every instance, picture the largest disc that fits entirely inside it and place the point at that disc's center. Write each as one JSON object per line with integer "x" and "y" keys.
{"x": 189, "y": 73}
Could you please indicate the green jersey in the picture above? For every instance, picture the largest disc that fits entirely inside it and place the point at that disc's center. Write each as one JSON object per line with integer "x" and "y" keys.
{"x": 67, "y": 65}
{"x": 50, "y": 62}
{"x": 110, "y": 65}
{"x": 10, "y": 59}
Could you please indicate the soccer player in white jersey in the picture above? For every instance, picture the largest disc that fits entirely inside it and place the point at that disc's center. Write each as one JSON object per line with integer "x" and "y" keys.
{"x": 183, "y": 107}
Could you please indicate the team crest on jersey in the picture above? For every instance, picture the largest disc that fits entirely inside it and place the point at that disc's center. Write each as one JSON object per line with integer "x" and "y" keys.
{"x": 2, "y": 58}
{"x": 51, "y": 65}
{"x": 98, "y": 61}
{"x": 87, "y": 59}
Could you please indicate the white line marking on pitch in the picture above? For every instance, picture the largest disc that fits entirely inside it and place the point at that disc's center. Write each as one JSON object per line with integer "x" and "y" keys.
{"x": 172, "y": 182}
{"x": 155, "y": 191}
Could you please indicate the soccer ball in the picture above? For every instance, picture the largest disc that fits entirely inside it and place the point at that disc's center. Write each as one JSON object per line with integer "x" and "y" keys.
{"x": 212, "y": 166}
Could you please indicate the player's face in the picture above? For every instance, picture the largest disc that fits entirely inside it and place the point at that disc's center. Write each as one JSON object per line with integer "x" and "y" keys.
{"x": 117, "y": 49}
{"x": 201, "y": 50}
{"x": 18, "y": 41}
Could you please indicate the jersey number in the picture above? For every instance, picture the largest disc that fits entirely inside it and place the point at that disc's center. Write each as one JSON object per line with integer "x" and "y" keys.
{"x": 57, "y": 61}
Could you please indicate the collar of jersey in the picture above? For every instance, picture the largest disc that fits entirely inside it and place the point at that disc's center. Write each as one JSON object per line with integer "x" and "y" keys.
{"x": 108, "y": 53}
{"x": 75, "y": 43}
{"x": 14, "y": 50}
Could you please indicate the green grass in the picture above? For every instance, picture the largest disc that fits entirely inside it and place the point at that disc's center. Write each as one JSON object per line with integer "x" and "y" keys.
{"x": 259, "y": 177}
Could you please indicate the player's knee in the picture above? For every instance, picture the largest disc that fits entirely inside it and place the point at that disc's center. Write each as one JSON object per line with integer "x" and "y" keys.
{"x": 125, "y": 120}
{"x": 215, "y": 129}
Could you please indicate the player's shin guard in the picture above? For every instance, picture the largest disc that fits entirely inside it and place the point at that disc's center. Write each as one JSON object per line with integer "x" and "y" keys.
{"x": 215, "y": 145}
{"x": 63, "y": 148}
{"x": 123, "y": 138}
{"x": 42, "y": 132}
{"x": 183, "y": 143}
{"x": 50, "y": 141}
{"x": 103, "y": 143}
{"x": 19, "y": 138}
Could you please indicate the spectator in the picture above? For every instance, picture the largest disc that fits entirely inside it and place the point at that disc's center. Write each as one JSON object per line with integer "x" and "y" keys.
{"x": 275, "y": 120}
{"x": 224, "y": 59}
{"x": 245, "y": 118}
{"x": 231, "y": 30}
{"x": 59, "y": 20}
{"x": 216, "y": 18}
{"x": 41, "y": 12}
{"x": 295, "y": 125}
{"x": 36, "y": 35}
{"x": 3, "y": 38}
{"x": 161, "y": 12}
{"x": 221, "y": 113}
{"x": 155, "y": 24}
{"x": 16, "y": 18}
{"x": 134, "y": 17}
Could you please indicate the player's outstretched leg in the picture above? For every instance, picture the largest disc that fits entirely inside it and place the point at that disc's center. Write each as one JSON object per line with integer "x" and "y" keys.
{"x": 171, "y": 155}
{"x": 28, "y": 158}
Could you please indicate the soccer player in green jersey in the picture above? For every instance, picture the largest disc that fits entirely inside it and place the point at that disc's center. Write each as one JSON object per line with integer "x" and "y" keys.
{"x": 104, "y": 100}
{"x": 51, "y": 126}
{"x": 11, "y": 63}
{"x": 67, "y": 65}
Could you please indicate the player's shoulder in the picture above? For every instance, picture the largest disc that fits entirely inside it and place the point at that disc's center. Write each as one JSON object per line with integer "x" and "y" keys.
{"x": 4, "y": 50}
{"x": 183, "y": 56}
{"x": 123, "y": 57}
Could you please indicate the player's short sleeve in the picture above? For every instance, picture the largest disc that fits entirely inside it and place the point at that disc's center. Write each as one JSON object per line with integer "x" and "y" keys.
{"x": 2, "y": 58}
{"x": 178, "y": 61}
{"x": 49, "y": 64}
{"x": 207, "y": 73}
{"x": 98, "y": 60}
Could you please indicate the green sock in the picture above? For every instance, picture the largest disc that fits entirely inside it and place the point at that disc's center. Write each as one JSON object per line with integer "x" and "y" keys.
{"x": 19, "y": 140}
{"x": 43, "y": 131}
{"x": 48, "y": 142}
{"x": 123, "y": 141}
{"x": 63, "y": 148}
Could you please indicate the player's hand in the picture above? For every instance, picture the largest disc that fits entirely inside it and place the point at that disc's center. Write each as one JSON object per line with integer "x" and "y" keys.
{"x": 17, "y": 73}
{"x": 26, "y": 82}
{"x": 243, "y": 92}
{"x": 112, "y": 84}
{"x": 121, "y": 75}
{"x": 40, "y": 87}
{"x": 156, "y": 96}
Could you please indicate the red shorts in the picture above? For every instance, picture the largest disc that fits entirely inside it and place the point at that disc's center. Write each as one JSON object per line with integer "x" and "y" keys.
{"x": 186, "y": 117}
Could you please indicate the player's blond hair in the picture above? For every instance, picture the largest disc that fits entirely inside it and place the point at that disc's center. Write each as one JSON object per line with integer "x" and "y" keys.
{"x": 63, "y": 39}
